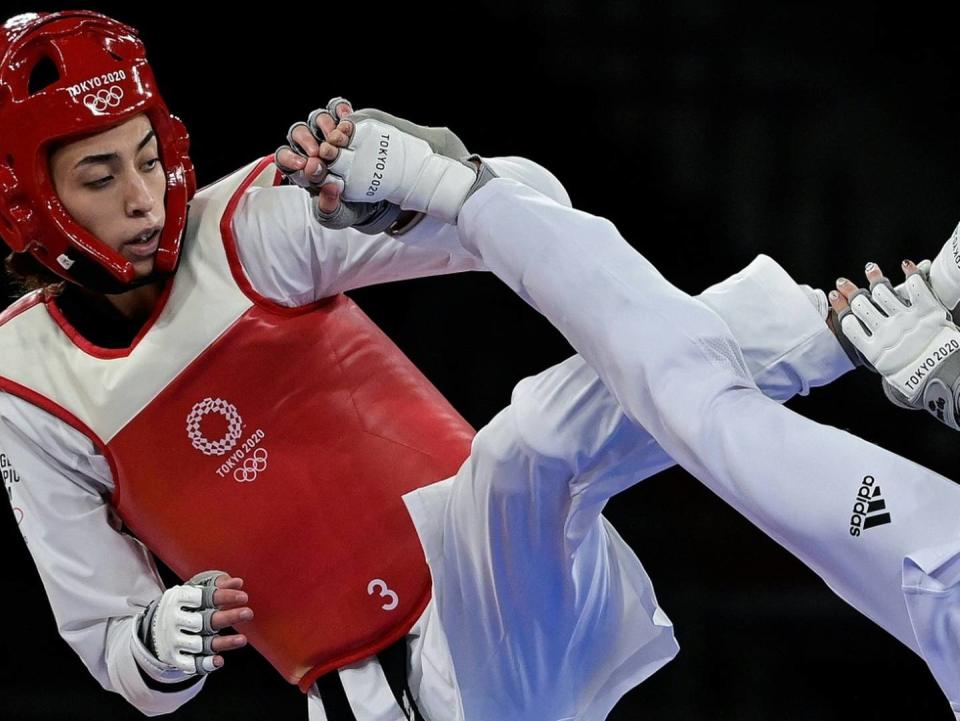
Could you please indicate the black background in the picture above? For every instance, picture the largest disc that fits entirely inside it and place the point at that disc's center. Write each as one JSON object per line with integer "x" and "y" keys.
{"x": 824, "y": 136}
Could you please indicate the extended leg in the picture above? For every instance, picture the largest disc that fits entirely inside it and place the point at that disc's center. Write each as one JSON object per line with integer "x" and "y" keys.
{"x": 547, "y": 611}
{"x": 675, "y": 369}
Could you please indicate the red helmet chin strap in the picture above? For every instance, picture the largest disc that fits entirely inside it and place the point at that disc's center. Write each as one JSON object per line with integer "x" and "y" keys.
{"x": 68, "y": 75}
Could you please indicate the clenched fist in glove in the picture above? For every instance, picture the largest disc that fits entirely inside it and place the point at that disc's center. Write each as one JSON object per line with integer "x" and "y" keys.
{"x": 374, "y": 158}
{"x": 301, "y": 163}
{"x": 182, "y": 627}
{"x": 908, "y": 336}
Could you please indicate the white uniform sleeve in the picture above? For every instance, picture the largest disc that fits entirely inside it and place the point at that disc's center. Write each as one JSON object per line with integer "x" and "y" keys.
{"x": 782, "y": 332}
{"x": 97, "y": 579}
{"x": 293, "y": 260}
{"x": 945, "y": 272}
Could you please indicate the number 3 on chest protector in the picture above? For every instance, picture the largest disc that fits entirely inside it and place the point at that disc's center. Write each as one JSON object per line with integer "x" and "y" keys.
{"x": 385, "y": 592}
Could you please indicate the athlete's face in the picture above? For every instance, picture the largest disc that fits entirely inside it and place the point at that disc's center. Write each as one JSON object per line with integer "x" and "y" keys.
{"x": 113, "y": 185}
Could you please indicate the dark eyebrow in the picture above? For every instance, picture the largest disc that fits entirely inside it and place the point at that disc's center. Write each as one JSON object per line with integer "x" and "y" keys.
{"x": 107, "y": 157}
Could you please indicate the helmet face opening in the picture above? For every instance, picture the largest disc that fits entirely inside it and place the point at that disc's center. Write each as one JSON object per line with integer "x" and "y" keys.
{"x": 64, "y": 76}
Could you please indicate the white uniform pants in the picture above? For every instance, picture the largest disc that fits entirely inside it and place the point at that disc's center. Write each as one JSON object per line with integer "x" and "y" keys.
{"x": 539, "y": 607}
{"x": 675, "y": 369}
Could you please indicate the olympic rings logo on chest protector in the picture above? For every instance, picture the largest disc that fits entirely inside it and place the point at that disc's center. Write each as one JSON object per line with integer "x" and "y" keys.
{"x": 103, "y": 99}
{"x": 234, "y": 426}
{"x": 252, "y": 467}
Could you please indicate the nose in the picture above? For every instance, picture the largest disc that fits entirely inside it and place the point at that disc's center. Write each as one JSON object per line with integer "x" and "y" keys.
{"x": 138, "y": 198}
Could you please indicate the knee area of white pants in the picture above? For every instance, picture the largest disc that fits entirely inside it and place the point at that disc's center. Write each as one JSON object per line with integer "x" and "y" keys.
{"x": 566, "y": 413}
{"x": 504, "y": 464}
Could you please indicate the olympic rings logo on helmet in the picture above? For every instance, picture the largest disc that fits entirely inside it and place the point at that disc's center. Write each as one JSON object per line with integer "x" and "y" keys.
{"x": 234, "y": 426}
{"x": 252, "y": 467}
{"x": 105, "y": 98}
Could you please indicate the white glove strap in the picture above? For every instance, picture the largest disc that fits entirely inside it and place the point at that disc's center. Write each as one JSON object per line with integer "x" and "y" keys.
{"x": 941, "y": 395}
{"x": 384, "y": 163}
{"x": 440, "y": 188}
{"x": 912, "y": 378}
{"x": 151, "y": 665}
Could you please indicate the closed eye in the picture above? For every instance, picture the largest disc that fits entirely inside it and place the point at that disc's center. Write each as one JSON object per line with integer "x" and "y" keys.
{"x": 100, "y": 182}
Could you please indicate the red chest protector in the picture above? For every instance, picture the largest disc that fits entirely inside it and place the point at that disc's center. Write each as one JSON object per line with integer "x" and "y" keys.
{"x": 271, "y": 443}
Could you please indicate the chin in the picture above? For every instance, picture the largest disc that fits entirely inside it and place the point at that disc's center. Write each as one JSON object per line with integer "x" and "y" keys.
{"x": 143, "y": 268}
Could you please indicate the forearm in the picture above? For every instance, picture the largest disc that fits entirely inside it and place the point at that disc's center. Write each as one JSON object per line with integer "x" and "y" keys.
{"x": 96, "y": 579}
{"x": 430, "y": 248}
{"x": 293, "y": 260}
{"x": 134, "y": 673}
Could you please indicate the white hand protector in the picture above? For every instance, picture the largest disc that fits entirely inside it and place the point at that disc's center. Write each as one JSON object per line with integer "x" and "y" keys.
{"x": 914, "y": 345}
{"x": 945, "y": 272}
{"x": 833, "y": 322}
{"x": 370, "y": 218}
{"x": 177, "y": 626}
{"x": 418, "y": 168}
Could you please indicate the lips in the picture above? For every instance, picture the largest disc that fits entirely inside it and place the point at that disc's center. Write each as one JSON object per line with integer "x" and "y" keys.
{"x": 143, "y": 236}
{"x": 143, "y": 245}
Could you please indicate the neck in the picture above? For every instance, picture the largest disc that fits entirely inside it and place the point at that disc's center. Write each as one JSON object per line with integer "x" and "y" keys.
{"x": 137, "y": 304}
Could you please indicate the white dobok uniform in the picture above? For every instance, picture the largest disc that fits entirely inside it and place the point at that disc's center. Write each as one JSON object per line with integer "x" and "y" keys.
{"x": 882, "y": 531}
{"x": 539, "y": 611}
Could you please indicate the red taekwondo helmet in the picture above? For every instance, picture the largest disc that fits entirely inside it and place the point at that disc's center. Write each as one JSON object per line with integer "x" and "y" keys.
{"x": 65, "y": 75}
